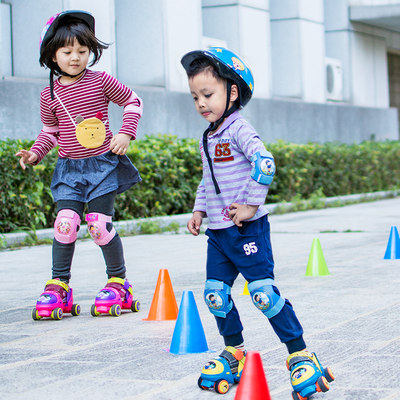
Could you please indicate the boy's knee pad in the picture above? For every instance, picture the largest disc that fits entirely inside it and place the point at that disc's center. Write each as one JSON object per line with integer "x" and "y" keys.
{"x": 66, "y": 226}
{"x": 264, "y": 297}
{"x": 216, "y": 297}
{"x": 97, "y": 227}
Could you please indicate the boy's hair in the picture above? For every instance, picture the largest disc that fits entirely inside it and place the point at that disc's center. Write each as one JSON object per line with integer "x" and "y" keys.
{"x": 200, "y": 65}
{"x": 65, "y": 36}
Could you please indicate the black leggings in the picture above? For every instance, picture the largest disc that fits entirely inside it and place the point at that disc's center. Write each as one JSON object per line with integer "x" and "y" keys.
{"x": 112, "y": 252}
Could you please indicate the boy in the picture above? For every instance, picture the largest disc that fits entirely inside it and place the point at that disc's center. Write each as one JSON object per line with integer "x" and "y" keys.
{"x": 237, "y": 172}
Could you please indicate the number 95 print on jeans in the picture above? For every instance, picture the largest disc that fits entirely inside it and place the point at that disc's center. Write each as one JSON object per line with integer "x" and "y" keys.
{"x": 248, "y": 248}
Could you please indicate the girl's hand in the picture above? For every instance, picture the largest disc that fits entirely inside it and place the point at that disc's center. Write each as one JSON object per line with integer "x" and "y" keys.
{"x": 27, "y": 157}
{"x": 119, "y": 143}
{"x": 195, "y": 222}
{"x": 241, "y": 212}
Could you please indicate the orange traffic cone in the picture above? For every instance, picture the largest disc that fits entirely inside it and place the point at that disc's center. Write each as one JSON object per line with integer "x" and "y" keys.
{"x": 253, "y": 384}
{"x": 163, "y": 307}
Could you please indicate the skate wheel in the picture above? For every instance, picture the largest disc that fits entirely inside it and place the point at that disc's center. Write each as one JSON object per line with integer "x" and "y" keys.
{"x": 135, "y": 307}
{"x": 200, "y": 385}
{"x": 76, "y": 310}
{"x": 94, "y": 311}
{"x": 221, "y": 386}
{"x": 322, "y": 384}
{"x": 296, "y": 396}
{"x": 329, "y": 375}
{"x": 35, "y": 315}
{"x": 57, "y": 313}
{"x": 115, "y": 310}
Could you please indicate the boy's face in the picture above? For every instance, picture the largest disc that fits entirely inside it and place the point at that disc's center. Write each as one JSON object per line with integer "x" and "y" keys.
{"x": 209, "y": 95}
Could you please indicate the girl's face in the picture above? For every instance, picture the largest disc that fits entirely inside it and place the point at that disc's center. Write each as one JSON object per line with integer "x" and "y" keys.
{"x": 209, "y": 95}
{"x": 72, "y": 59}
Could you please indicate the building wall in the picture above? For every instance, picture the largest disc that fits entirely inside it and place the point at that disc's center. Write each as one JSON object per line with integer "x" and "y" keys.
{"x": 286, "y": 42}
{"x": 372, "y": 2}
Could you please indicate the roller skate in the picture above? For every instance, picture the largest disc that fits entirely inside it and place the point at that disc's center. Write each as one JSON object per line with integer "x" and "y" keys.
{"x": 54, "y": 301}
{"x": 307, "y": 375}
{"x": 223, "y": 371}
{"x": 115, "y": 297}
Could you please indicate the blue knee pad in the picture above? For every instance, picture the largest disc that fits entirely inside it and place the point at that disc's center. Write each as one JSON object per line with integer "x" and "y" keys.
{"x": 216, "y": 297}
{"x": 265, "y": 298}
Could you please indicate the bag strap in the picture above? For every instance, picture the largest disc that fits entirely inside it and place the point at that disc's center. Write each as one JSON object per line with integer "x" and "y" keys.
{"x": 65, "y": 108}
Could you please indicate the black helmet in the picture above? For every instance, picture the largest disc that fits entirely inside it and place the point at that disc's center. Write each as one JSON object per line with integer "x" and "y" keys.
{"x": 55, "y": 21}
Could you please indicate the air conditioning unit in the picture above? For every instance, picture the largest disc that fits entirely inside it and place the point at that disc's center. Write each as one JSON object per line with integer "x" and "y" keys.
{"x": 334, "y": 79}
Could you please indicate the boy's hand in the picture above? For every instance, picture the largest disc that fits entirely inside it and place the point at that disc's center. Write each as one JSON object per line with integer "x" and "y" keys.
{"x": 241, "y": 212}
{"x": 119, "y": 143}
{"x": 27, "y": 157}
{"x": 195, "y": 222}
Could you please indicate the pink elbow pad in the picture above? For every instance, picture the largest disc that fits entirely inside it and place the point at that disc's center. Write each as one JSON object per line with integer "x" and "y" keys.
{"x": 130, "y": 107}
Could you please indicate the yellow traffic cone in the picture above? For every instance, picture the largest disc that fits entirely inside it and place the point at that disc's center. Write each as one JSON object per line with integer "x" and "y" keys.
{"x": 245, "y": 290}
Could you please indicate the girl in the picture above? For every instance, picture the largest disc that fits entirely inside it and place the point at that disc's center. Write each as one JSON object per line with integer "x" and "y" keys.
{"x": 92, "y": 167}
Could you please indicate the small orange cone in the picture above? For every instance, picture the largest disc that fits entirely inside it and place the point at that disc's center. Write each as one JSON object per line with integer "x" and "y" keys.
{"x": 245, "y": 290}
{"x": 253, "y": 383}
{"x": 163, "y": 307}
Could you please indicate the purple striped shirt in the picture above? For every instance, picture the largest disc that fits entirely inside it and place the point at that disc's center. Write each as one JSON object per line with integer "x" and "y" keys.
{"x": 87, "y": 96}
{"x": 231, "y": 148}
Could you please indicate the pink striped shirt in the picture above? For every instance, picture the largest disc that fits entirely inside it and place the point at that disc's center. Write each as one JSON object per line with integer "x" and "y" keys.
{"x": 87, "y": 96}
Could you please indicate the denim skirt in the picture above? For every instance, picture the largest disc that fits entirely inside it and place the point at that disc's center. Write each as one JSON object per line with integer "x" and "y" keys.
{"x": 85, "y": 179}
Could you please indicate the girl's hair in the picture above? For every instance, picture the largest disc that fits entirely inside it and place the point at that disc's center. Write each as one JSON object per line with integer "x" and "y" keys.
{"x": 64, "y": 36}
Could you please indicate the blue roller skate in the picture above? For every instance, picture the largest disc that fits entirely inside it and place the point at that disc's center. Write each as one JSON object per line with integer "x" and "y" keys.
{"x": 307, "y": 375}
{"x": 223, "y": 371}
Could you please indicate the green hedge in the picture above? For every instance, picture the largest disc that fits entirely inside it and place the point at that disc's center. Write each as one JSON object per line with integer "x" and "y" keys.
{"x": 171, "y": 171}
{"x": 333, "y": 169}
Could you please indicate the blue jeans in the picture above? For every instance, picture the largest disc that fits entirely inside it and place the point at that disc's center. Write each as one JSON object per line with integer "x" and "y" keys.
{"x": 228, "y": 254}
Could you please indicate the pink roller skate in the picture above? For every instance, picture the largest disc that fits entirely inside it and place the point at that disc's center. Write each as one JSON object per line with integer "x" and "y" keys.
{"x": 54, "y": 301}
{"x": 116, "y": 296}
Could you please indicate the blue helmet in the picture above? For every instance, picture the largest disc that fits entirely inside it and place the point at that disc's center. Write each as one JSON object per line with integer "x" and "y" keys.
{"x": 229, "y": 66}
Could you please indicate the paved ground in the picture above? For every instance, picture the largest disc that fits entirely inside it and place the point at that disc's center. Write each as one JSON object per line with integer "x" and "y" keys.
{"x": 351, "y": 317}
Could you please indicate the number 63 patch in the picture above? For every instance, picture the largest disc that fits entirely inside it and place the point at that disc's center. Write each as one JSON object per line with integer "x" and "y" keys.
{"x": 250, "y": 248}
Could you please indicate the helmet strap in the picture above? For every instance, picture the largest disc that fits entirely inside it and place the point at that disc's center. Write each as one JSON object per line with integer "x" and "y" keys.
{"x": 212, "y": 127}
{"x": 52, "y": 84}
{"x": 72, "y": 76}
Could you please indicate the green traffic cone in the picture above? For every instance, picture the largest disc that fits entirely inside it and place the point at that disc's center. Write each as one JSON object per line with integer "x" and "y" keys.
{"x": 316, "y": 261}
